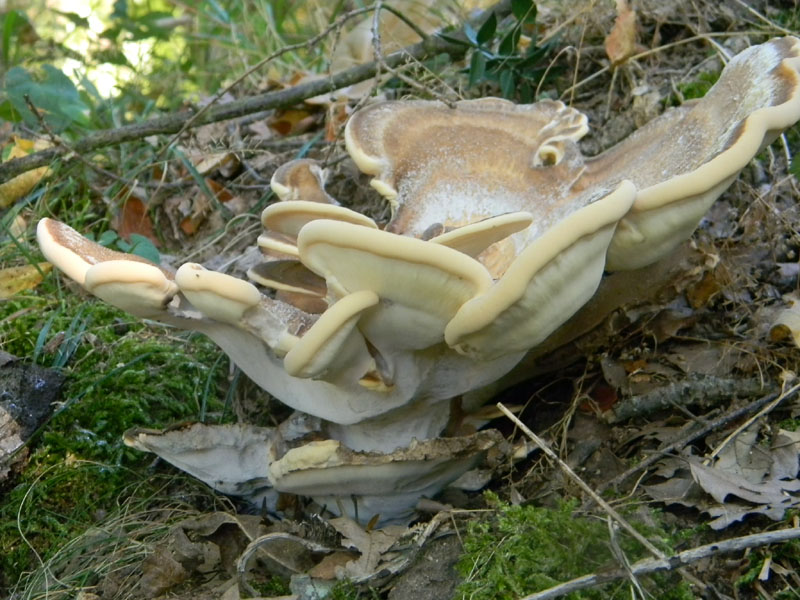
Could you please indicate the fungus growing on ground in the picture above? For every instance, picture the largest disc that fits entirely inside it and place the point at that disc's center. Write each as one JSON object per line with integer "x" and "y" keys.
{"x": 500, "y": 231}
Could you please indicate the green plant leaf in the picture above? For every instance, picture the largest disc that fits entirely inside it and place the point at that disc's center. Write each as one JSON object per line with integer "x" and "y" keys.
{"x": 524, "y": 11}
{"x": 487, "y": 30}
{"x": 794, "y": 167}
{"x": 453, "y": 40}
{"x": 51, "y": 92}
{"x": 471, "y": 34}
{"x": 108, "y": 237}
{"x": 144, "y": 247}
{"x": 508, "y": 45}
{"x": 508, "y": 83}
{"x": 477, "y": 68}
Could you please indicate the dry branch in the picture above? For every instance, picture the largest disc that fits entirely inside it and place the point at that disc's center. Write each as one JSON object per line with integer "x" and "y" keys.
{"x": 172, "y": 123}
{"x": 682, "y": 559}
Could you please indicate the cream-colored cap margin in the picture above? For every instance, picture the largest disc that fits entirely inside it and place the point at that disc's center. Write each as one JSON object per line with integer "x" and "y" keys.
{"x": 289, "y": 217}
{"x": 482, "y": 311}
{"x": 395, "y": 260}
{"x": 474, "y": 238}
{"x": 321, "y": 345}
{"x": 217, "y": 295}
{"x": 729, "y": 162}
{"x": 135, "y": 287}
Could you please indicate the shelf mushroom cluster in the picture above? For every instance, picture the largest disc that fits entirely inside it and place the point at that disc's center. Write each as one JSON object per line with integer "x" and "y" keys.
{"x": 500, "y": 231}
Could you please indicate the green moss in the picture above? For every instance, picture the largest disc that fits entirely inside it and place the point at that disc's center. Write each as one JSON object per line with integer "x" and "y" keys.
{"x": 120, "y": 374}
{"x": 347, "y": 590}
{"x": 694, "y": 89}
{"x": 524, "y": 549}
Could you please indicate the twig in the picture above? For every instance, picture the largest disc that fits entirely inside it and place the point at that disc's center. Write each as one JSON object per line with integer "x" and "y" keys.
{"x": 581, "y": 483}
{"x": 751, "y": 420}
{"x": 682, "y": 559}
{"x": 57, "y": 141}
{"x": 377, "y": 52}
{"x": 714, "y": 425}
{"x": 173, "y": 123}
{"x": 696, "y": 389}
{"x": 267, "y": 59}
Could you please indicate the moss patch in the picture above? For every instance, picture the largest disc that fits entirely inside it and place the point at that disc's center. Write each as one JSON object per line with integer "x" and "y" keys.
{"x": 120, "y": 374}
{"x": 525, "y": 549}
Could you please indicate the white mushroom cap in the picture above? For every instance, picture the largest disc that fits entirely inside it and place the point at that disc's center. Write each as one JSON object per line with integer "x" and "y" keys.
{"x": 546, "y": 284}
{"x": 232, "y": 459}
{"x": 289, "y": 276}
{"x": 301, "y": 179}
{"x": 386, "y": 484}
{"x": 138, "y": 288}
{"x": 277, "y": 244}
{"x": 474, "y": 238}
{"x": 216, "y": 295}
{"x": 421, "y": 285}
{"x": 289, "y": 217}
{"x": 333, "y": 340}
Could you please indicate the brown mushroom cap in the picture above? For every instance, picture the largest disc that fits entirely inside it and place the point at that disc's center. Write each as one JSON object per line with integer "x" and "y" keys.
{"x": 684, "y": 159}
{"x": 74, "y": 254}
{"x": 127, "y": 281}
{"x": 440, "y": 165}
{"x": 301, "y": 179}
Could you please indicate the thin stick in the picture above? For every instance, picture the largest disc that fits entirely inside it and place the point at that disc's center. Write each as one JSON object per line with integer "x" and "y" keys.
{"x": 714, "y": 425}
{"x": 582, "y": 484}
{"x": 309, "y": 43}
{"x": 682, "y": 559}
{"x": 752, "y": 419}
{"x": 377, "y": 52}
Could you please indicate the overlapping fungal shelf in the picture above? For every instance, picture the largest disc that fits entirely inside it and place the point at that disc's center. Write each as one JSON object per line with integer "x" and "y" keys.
{"x": 500, "y": 231}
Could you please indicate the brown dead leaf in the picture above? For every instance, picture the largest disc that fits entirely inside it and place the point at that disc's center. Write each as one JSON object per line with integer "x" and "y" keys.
{"x": 17, "y": 279}
{"x": 225, "y": 162}
{"x": 291, "y": 121}
{"x": 620, "y": 43}
{"x": 133, "y": 218}
{"x": 701, "y": 293}
{"x": 160, "y": 571}
{"x": 328, "y": 566}
{"x": 371, "y": 544}
{"x": 220, "y": 191}
{"x": 746, "y": 478}
{"x": 335, "y": 119}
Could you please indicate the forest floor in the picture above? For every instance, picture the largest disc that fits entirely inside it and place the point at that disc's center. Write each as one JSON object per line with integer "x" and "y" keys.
{"x": 678, "y": 405}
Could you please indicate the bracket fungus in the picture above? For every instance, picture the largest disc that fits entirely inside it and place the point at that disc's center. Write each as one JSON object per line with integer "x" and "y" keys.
{"x": 500, "y": 230}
